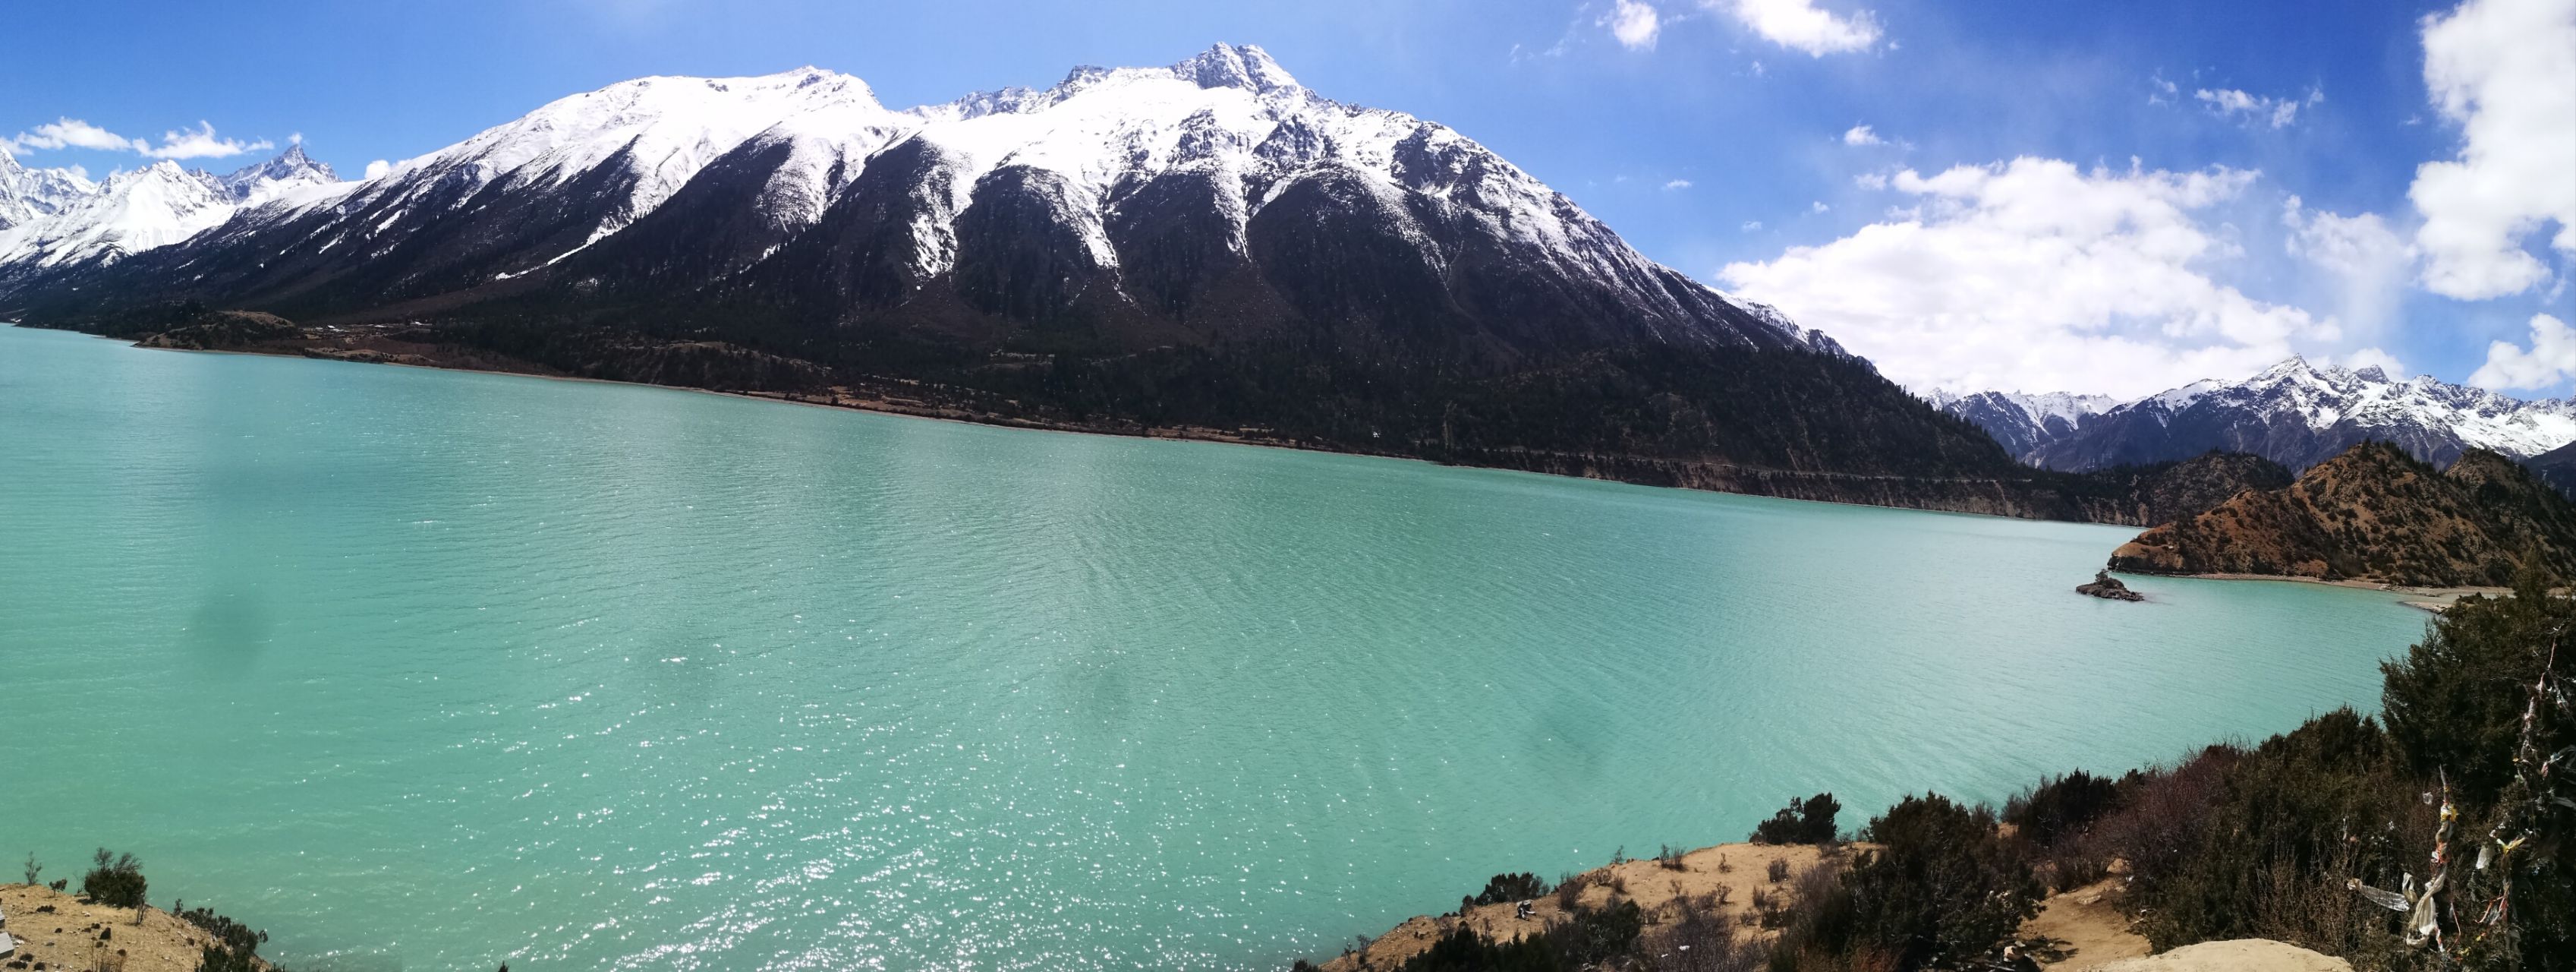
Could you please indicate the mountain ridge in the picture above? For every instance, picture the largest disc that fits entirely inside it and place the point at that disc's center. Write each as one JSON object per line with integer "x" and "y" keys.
{"x": 2375, "y": 513}
{"x": 2294, "y": 413}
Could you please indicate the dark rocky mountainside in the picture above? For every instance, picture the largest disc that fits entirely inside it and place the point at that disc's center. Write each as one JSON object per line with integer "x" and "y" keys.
{"x": 2375, "y": 513}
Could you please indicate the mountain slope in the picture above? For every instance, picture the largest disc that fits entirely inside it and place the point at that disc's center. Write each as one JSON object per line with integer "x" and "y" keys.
{"x": 27, "y": 195}
{"x": 2375, "y": 513}
{"x": 2023, "y": 422}
{"x": 2294, "y": 413}
{"x": 1207, "y": 246}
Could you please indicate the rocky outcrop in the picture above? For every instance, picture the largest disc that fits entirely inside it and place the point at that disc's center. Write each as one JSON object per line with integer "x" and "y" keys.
{"x": 2237, "y": 955}
{"x": 2108, "y": 588}
{"x": 2376, "y": 514}
{"x": 230, "y": 330}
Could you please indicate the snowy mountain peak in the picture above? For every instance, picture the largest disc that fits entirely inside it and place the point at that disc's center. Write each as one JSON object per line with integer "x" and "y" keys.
{"x": 291, "y": 168}
{"x": 136, "y": 210}
{"x": 2295, "y": 413}
{"x": 1229, "y": 66}
{"x": 28, "y": 195}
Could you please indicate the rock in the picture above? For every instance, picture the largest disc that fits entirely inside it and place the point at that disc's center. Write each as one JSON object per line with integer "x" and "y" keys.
{"x": 2109, "y": 588}
{"x": 2239, "y": 955}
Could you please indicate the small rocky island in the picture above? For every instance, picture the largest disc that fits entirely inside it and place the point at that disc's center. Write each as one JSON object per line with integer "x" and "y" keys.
{"x": 2108, "y": 587}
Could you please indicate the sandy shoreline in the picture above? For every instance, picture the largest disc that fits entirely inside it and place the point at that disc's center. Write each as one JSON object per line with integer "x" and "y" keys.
{"x": 2433, "y": 599}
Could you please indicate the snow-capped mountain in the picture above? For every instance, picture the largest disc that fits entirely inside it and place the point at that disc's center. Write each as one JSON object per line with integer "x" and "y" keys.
{"x": 72, "y": 221}
{"x": 2296, "y": 414}
{"x": 1161, "y": 204}
{"x": 27, "y": 195}
{"x": 289, "y": 171}
{"x": 2022, "y": 421}
{"x": 135, "y": 210}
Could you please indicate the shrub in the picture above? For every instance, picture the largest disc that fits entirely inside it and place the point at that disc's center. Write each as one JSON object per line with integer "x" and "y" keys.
{"x": 2454, "y": 704}
{"x": 117, "y": 881}
{"x": 230, "y": 934}
{"x": 33, "y": 869}
{"x": 1777, "y": 870}
{"x": 1502, "y": 888}
{"x": 1808, "y": 821}
{"x": 2060, "y": 807}
{"x": 216, "y": 958}
{"x": 1670, "y": 859}
{"x": 1585, "y": 939}
{"x": 1570, "y": 890}
{"x": 1942, "y": 886}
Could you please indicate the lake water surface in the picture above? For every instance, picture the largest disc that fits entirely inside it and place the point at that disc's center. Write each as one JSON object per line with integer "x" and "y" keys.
{"x": 433, "y": 670}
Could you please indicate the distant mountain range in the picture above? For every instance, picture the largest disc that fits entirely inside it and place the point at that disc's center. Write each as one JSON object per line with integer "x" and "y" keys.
{"x": 55, "y": 217}
{"x": 2294, "y": 413}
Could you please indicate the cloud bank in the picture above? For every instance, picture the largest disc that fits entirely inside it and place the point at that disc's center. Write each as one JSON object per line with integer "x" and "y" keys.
{"x": 2037, "y": 275}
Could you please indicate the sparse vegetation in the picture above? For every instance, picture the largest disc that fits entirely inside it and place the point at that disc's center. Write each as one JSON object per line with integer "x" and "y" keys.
{"x": 117, "y": 881}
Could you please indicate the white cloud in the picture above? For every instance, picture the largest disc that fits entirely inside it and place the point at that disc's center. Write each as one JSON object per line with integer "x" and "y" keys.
{"x": 200, "y": 143}
{"x": 1634, "y": 24}
{"x": 2367, "y": 257}
{"x": 1751, "y": 225}
{"x": 1678, "y": 184}
{"x": 2037, "y": 275}
{"x": 2552, "y": 358}
{"x": 2374, "y": 358}
{"x": 1861, "y": 135}
{"x": 2255, "y": 109}
{"x": 74, "y": 133}
{"x": 2505, "y": 72}
{"x": 1818, "y": 206}
{"x": 378, "y": 168}
{"x": 1797, "y": 24}
{"x": 2165, "y": 92}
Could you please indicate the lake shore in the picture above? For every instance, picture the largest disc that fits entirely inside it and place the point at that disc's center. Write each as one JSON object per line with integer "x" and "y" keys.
{"x": 1726, "y": 879}
{"x": 2433, "y": 599}
{"x": 2030, "y": 497}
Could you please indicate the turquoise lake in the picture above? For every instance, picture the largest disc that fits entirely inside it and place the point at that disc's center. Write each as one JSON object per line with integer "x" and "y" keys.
{"x": 434, "y": 670}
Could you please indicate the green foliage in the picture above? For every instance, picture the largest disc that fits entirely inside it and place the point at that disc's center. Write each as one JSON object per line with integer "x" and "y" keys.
{"x": 231, "y": 935}
{"x": 1942, "y": 886}
{"x": 117, "y": 881}
{"x": 2290, "y": 825}
{"x": 1807, "y": 821}
{"x": 2454, "y": 704}
{"x": 2060, "y": 807}
{"x": 1503, "y": 888}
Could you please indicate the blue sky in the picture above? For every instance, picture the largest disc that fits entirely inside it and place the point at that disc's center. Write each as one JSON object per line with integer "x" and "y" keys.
{"x": 2144, "y": 237}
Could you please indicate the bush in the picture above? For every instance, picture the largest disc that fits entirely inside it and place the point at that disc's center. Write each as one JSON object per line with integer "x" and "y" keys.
{"x": 1670, "y": 858}
{"x": 117, "y": 881}
{"x": 1585, "y": 939}
{"x": 232, "y": 935}
{"x": 1777, "y": 870}
{"x": 1503, "y": 888}
{"x": 1808, "y": 821}
{"x": 2454, "y": 704}
{"x": 1942, "y": 887}
{"x": 2060, "y": 807}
